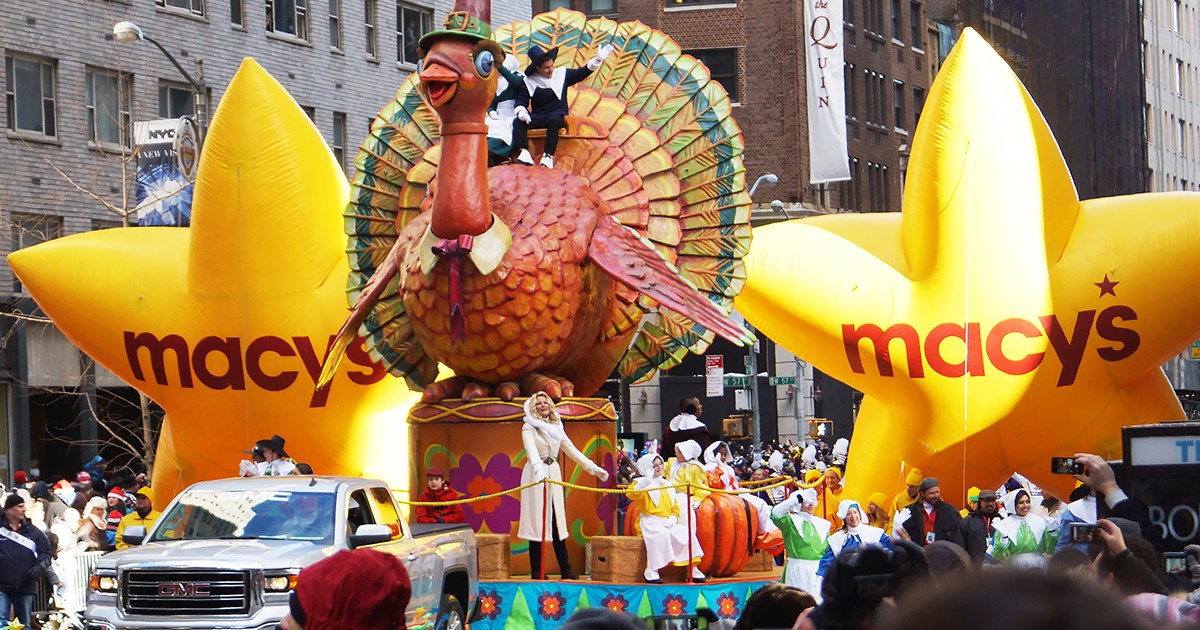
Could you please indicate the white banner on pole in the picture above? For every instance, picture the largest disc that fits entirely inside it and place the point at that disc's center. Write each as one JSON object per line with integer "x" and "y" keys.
{"x": 827, "y": 153}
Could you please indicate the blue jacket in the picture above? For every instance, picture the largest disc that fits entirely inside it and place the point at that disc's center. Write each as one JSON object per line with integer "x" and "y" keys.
{"x": 16, "y": 560}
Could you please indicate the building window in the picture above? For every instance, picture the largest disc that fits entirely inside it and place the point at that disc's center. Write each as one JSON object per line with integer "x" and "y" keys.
{"x": 109, "y": 99}
{"x": 237, "y": 13}
{"x": 310, "y": 111}
{"x": 411, "y": 24}
{"x": 897, "y": 29}
{"x": 1181, "y": 138}
{"x": 848, "y": 12}
{"x": 850, "y": 189}
{"x": 372, "y": 15}
{"x": 722, "y": 65}
{"x": 602, "y": 6}
{"x": 851, "y": 80}
{"x": 339, "y": 138}
{"x": 195, "y": 7}
{"x": 335, "y": 24}
{"x": 914, "y": 17}
{"x": 875, "y": 97}
{"x": 898, "y": 104}
{"x": 1176, "y": 16}
{"x": 288, "y": 17}
{"x": 557, "y": 4}
{"x": 29, "y": 86}
{"x": 29, "y": 230}
{"x": 918, "y": 104}
{"x": 1179, "y": 82}
{"x": 175, "y": 100}
{"x": 873, "y": 16}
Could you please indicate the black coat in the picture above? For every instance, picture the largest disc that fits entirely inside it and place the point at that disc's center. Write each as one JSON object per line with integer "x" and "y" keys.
{"x": 16, "y": 561}
{"x": 542, "y": 102}
{"x": 976, "y": 531}
{"x": 947, "y": 524}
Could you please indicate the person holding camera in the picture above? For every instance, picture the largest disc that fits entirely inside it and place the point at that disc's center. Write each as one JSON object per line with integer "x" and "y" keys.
{"x": 1099, "y": 476}
{"x": 24, "y": 558}
{"x": 1022, "y": 532}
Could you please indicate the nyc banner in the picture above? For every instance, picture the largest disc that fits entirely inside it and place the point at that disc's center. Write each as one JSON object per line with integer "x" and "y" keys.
{"x": 829, "y": 161}
{"x": 164, "y": 187}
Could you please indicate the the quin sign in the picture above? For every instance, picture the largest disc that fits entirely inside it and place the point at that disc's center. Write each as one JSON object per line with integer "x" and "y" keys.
{"x": 184, "y": 589}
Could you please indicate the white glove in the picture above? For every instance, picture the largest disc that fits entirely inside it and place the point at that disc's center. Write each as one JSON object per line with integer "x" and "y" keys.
{"x": 246, "y": 468}
{"x": 493, "y": 114}
{"x": 604, "y": 52}
{"x": 522, "y": 113}
{"x": 600, "y": 473}
{"x": 789, "y": 504}
{"x": 539, "y": 472}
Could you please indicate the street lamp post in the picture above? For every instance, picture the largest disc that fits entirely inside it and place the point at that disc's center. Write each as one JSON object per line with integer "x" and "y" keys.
{"x": 127, "y": 32}
{"x": 770, "y": 178}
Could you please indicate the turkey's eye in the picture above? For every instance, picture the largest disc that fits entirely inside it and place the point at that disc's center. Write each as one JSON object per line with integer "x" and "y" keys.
{"x": 484, "y": 63}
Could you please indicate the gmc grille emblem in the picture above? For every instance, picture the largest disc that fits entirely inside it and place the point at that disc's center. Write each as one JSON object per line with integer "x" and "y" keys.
{"x": 184, "y": 589}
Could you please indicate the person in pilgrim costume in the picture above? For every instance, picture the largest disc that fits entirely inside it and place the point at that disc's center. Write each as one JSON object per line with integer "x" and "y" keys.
{"x": 686, "y": 425}
{"x": 502, "y": 114}
{"x": 685, "y": 467}
{"x": 804, "y": 536}
{"x": 664, "y": 528}
{"x": 1022, "y": 532}
{"x": 721, "y": 476}
{"x": 544, "y": 105}
{"x": 854, "y": 534}
{"x": 545, "y": 439}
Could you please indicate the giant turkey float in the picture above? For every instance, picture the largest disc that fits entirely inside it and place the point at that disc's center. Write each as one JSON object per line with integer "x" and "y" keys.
{"x": 625, "y": 255}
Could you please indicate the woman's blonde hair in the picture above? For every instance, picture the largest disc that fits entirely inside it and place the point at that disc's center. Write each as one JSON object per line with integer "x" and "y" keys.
{"x": 554, "y": 417}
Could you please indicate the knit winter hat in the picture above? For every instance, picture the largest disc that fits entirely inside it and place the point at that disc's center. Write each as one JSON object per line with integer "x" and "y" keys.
{"x": 927, "y": 483}
{"x": 13, "y": 500}
{"x": 914, "y": 477}
{"x": 116, "y": 493}
{"x": 20, "y": 477}
{"x": 361, "y": 589}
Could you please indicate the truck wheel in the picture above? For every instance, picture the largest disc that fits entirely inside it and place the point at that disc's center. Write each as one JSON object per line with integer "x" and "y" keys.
{"x": 451, "y": 616}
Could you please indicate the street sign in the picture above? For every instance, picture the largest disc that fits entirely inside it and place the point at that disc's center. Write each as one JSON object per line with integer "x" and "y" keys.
{"x": 781, "y": 380}
{"x": 1196, "y": 350}
{"x": 736, "y": 381}
{"x": 714, "y": 370}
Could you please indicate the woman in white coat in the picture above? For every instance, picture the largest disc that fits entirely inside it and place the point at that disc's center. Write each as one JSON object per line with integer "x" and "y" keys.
{"x": 544, "y": 438}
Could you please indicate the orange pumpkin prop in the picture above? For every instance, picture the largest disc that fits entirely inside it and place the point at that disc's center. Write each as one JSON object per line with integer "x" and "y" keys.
{"x": 726, "y": 528}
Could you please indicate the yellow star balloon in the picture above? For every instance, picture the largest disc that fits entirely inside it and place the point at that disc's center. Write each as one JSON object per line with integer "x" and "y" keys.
{"x": 225, "y": 324}
{"x": 997, "y": 321}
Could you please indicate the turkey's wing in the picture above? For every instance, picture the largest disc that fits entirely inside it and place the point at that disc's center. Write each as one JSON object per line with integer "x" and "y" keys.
{"x": 633, "y": 261}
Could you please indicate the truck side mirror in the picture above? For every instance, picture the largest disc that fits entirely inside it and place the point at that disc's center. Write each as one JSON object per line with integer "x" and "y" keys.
{"x": 134, "y": 535}
{"x": 370, "y": 535}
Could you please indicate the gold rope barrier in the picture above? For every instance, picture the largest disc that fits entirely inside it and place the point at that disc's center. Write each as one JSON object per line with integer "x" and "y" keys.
{"x": 777, "y": 482}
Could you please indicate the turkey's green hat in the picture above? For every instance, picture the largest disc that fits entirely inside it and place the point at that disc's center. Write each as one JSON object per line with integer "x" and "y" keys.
{"x": 470, "y": 18}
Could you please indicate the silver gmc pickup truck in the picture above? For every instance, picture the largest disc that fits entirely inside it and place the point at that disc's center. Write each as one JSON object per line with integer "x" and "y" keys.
{"x": 226, "y": 553}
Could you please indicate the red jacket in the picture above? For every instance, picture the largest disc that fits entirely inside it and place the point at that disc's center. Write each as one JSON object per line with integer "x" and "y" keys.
{"x": 440, "y": 514}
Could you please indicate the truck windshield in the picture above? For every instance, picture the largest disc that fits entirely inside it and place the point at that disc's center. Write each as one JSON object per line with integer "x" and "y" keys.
{"x": 233, "y": 514}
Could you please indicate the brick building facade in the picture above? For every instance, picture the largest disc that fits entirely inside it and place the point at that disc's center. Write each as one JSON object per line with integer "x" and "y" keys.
{"x": 71, "y": 94}
{"x": 756, "y": 49}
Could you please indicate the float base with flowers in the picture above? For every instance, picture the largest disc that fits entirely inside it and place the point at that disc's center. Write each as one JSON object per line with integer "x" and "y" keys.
{"x": 528, "y": 604}
{"x": 479, "y": 443}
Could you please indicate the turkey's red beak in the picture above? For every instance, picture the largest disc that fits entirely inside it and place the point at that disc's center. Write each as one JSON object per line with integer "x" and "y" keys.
{"x": 439, "y": 81}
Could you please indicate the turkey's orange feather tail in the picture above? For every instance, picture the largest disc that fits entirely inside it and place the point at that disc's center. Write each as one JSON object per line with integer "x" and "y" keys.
{"x": 362, "y": 308}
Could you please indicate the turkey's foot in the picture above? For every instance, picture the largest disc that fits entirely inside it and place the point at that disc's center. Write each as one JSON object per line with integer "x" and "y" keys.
{"x": 555, "y": 386}
{"x": 441, "y": 390}
{"x": 507, "y": 391}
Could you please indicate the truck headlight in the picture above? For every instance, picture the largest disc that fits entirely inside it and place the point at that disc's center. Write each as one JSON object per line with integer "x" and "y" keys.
{"x": 279, "y": 583}
{"x": 103, "y": 583}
